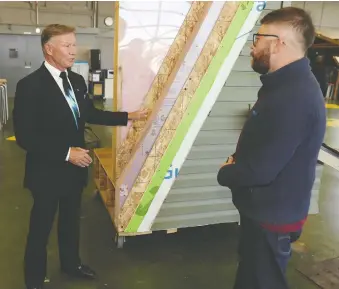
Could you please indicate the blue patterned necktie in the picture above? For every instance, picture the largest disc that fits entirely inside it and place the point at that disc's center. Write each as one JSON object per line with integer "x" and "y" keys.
{"x": 70, "y": 97}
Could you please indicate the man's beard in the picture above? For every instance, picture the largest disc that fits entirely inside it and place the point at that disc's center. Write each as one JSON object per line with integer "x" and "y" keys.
{"x": 261, "y": 62}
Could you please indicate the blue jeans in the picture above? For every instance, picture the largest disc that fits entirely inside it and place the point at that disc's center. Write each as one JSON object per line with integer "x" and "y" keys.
{"x": 264, "y": 256}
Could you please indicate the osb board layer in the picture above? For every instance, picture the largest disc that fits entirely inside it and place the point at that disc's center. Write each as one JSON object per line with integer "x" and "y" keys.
{"x": 175, "y": 126}
{"x": 127, "y": 179}
{"x": 141, "y": 136}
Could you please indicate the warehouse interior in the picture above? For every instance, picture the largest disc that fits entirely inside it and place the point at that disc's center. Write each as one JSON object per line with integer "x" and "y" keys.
{"x": 196, "y": 257}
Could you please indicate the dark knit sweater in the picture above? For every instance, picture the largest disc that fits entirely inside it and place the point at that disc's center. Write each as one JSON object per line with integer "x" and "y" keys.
{"x": 276, "y": 156}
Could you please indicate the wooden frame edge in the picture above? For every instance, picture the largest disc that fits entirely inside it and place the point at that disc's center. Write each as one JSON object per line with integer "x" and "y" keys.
{"x": 115, "y": 100}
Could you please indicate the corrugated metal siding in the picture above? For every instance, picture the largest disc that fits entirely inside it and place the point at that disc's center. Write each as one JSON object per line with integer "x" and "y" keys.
{"x": 196, "y": 199}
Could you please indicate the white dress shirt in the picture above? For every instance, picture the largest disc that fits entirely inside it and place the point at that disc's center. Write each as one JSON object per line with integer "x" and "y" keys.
{"x": 56, "y": 75}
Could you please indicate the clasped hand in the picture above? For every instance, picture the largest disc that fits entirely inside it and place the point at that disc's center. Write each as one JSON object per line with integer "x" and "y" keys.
{"x": 229, "y": 161}
{"x": 79, "y": 157}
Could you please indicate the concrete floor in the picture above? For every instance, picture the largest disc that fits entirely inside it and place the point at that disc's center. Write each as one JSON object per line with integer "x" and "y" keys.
{"x": 196, "y": 258}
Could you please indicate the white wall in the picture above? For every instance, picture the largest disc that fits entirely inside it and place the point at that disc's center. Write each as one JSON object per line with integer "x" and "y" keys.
{"x": 324, "y": 13}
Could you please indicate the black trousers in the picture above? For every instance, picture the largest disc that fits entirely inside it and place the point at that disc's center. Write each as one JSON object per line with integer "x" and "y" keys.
{"x": 46, "y": 203}
{"x": 264, "y": 256}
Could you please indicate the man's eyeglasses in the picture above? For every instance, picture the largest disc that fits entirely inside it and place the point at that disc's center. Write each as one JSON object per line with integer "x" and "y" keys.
{"x": 255, "y": 36}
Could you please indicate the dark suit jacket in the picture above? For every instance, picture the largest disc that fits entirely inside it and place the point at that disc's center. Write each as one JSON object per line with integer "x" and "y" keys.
{"x": 45, "y": 128}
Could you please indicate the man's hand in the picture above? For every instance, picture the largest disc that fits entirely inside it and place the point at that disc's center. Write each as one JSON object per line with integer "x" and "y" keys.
{"x": 139, "y": 114}
{"x": 229, "y": 161}
{"x": 79, "y": 157}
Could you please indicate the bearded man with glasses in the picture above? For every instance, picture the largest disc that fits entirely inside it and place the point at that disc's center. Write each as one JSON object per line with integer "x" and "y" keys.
{"x": 272, "y": 171}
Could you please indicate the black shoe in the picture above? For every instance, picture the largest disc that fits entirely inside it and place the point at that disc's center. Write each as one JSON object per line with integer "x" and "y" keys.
{"x": 82, "y": 271}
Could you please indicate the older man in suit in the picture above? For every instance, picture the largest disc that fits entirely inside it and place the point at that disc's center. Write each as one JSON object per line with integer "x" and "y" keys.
{"x": 50, "y": 111}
